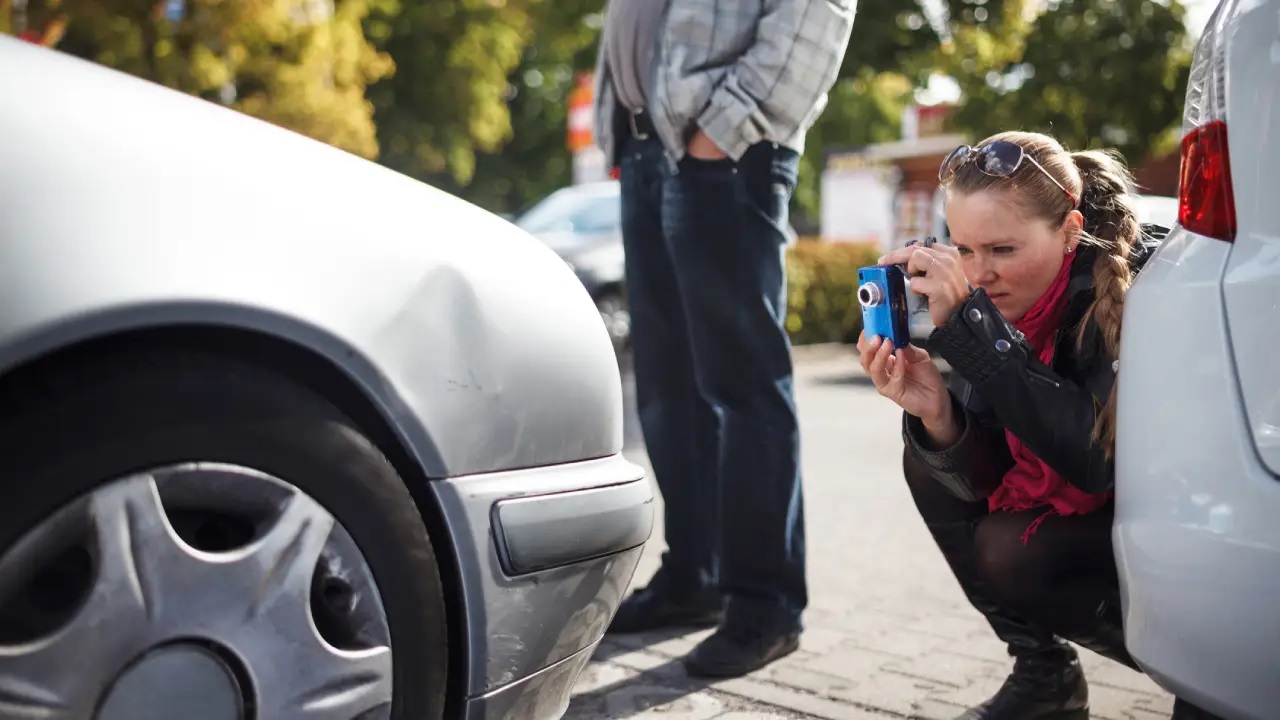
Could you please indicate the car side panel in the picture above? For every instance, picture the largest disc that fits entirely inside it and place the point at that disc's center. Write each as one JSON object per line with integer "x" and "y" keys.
{"x": 1195, "y": 528}
{"x": 1251, "y": 285}
{"x": 127, "y": 205}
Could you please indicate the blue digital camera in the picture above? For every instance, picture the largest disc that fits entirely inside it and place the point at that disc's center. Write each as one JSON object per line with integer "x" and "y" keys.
{"x": 882, "y": 293}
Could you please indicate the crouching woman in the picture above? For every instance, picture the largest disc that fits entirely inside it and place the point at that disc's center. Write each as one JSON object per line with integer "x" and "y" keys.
{"x": 1011, "y": 467}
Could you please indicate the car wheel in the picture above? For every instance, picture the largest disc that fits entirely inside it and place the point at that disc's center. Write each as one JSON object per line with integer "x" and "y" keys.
{"x": 178, "y": 525}
{"x": 617, "y": 318}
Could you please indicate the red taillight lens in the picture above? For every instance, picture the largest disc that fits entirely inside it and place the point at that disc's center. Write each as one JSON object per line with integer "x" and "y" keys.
{"x": 1206, "y": 204}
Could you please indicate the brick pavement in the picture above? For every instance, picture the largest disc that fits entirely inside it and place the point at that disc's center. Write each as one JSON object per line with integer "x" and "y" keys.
{"x": 889, "y": 635}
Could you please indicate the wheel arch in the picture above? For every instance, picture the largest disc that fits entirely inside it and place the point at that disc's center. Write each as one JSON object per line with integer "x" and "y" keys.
{"x": 322, "y": 375}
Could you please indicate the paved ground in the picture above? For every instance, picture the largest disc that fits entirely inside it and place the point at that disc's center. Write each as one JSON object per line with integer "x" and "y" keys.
{"x": 889, "y": 635}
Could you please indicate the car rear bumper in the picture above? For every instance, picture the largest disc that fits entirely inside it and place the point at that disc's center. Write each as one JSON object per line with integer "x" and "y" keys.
{"x": 545, "y": 556}
{"x": 1195, "y": 533}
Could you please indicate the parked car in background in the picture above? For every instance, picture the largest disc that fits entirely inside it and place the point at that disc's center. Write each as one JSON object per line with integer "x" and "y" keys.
{"x": 583, "y": 225}
{"x": 272, "y": 444}
{"x": 1198, "y": 452}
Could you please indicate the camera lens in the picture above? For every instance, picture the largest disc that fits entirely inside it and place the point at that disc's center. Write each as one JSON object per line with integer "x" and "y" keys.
{"x": 869, "y": 294}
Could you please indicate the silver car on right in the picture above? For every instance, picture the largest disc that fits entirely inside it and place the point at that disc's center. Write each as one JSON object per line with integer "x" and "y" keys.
{"x": 1197, "y": 530}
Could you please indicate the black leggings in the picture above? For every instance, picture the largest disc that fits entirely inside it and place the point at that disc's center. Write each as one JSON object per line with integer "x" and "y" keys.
{"x": 1058, "y": 580}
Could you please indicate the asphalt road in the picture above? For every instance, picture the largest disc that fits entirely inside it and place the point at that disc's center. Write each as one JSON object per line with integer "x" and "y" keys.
{"x": 888, "y": 633}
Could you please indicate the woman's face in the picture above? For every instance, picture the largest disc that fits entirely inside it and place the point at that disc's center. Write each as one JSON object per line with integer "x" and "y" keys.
{"x": 1006, "y": 251}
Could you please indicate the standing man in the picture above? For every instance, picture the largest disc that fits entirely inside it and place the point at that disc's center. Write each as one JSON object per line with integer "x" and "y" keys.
{"x": 702, "y": 107}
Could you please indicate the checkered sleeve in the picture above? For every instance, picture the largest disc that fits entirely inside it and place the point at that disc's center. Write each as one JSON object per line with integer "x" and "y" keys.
{"x": 780, "y": 83}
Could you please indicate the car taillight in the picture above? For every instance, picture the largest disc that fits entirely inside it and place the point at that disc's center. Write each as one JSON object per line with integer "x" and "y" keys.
{"x": 1206, "y": 203}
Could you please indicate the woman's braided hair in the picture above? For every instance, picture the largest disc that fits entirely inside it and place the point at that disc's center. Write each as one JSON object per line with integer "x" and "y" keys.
{"x": 1107, "y": 201}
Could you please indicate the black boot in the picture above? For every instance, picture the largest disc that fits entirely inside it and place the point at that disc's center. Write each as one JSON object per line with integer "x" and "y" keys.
{"x": 1041, "y": 687}
{"x": 1047, "y": 682}
{"x": 663, "y": 604}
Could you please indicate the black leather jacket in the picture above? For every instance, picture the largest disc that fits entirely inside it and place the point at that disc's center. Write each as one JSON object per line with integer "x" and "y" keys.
{"x": 997, "y": 383}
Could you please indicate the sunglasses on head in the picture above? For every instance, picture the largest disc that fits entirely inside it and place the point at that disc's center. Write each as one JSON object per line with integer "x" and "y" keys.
{"x": 998, "y": 158}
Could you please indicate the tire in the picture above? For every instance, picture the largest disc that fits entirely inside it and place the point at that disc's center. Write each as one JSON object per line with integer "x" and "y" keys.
{"x": 69, "y": 429}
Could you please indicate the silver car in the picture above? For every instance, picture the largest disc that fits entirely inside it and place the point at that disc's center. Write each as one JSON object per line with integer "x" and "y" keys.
{"x": 1198, "y": 437}
{"x": 282, "y": 432}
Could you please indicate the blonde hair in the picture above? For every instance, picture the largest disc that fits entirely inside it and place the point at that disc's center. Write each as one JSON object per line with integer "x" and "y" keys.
{"x": 1106, "y": 192}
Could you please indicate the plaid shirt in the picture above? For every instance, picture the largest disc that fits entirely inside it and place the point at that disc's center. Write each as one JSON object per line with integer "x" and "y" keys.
{"x": 745, "y": 71}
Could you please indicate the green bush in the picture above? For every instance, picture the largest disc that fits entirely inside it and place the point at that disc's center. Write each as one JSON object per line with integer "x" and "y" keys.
{"x": 822, "y": 280}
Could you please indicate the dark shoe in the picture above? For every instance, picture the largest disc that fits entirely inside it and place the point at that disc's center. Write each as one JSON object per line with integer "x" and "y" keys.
{"x": 748, "y": 640}
{"x": 734, "y": 652}
{"x": 658, "y": 606}
{"x": 1042, "y": 687}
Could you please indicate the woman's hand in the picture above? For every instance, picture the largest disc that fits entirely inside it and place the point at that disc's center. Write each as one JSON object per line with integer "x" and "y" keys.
{"x": 936, "y": 273}
{"x": 909, "y": 378}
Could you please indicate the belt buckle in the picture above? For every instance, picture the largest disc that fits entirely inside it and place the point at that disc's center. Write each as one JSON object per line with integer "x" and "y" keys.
{"x": 635, "y": 130}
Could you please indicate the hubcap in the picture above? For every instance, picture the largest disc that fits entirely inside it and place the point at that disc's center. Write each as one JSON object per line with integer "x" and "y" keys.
{"x": 193, "y": 581}
{"x": 165, "y": 682}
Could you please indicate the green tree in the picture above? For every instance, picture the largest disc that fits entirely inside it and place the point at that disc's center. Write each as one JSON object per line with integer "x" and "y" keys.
{"x": 894, "y": 49}
{"x": 448, "y": 99}
{"x": 1091, "y": 72}
{"x": 302, "y": 64}
{"x": 905, "y": 36}
{"x": 535, "y": 161}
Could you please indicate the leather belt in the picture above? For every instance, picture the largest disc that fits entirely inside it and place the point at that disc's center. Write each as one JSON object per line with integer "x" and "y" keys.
{"x": 640, "y": 124}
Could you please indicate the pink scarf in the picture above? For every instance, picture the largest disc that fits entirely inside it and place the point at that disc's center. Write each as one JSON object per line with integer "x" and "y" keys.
{"x": 1030, "y": 483}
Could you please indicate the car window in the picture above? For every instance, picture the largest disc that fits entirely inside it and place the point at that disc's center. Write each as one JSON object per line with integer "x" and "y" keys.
{"x": 584, "y": 215}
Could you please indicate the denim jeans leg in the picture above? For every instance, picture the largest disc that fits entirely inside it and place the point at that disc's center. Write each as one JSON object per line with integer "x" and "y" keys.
{"x": 681, "y": 431}
{"x": 725, "y": 223}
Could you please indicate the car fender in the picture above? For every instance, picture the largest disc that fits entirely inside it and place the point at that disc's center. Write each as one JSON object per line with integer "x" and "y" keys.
{"x": 125, "y": 205}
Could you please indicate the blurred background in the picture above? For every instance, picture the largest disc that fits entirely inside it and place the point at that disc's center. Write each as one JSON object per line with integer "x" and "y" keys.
{"x": 491, "y": 100}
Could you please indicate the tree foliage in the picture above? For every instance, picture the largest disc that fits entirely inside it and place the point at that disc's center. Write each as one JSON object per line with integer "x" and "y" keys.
{"x": 302, "y": 64}
{"x": 1093, "y": 73}
{"x": 535, "y": 161}
{"x": 905, "y": 36}
{"x": 893, "y": 51}
{"x": 448, "y": 100}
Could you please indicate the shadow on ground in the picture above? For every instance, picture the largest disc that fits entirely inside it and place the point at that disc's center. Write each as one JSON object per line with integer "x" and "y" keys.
{"x": 629, "y": 695}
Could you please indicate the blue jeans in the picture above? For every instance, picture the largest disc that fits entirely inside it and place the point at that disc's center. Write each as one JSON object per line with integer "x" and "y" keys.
{"x": 706, "y": 282}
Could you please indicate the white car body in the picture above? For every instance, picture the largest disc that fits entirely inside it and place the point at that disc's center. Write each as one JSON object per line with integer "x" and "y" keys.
{"x": 1198, "y": 454}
